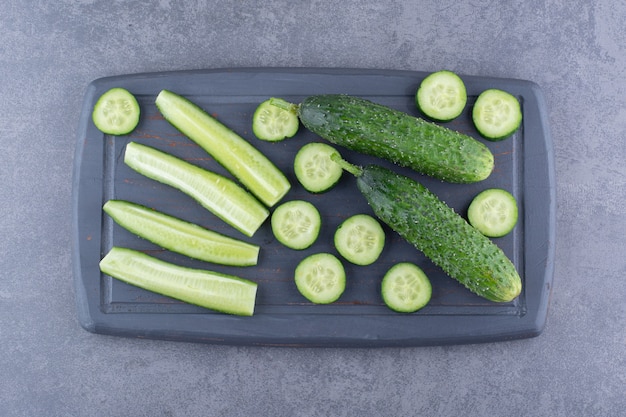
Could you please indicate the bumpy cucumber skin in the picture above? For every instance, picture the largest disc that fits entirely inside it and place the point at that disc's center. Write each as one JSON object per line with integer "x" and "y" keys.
{"x": 429, "y": 224}
{"x": 377, "y": 130}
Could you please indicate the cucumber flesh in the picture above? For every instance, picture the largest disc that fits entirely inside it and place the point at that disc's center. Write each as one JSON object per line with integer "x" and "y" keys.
{"x": 220, "y": 195}
{"x": 320, "y": 278}
{"x": 272, "y": 123}
{"x": 493, "y": 212}
{"x": 251, "y": 167}
{"x": 441, "y": 96}
{"x": 180, "y": 236}
{"x": 296, "y": 224}
{"x": 405, "y": 288}
{"x": 360, "y": 239}
{"x": 314, "y": 169}
{"x": 216, "y": 291}
{"x": 497, "y": 114}
{"x": 116, "y": 112}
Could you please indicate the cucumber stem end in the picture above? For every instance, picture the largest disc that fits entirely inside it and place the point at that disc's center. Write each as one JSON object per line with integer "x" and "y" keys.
{"x": 355, "y": 170}
{"x": 284, "y": 104}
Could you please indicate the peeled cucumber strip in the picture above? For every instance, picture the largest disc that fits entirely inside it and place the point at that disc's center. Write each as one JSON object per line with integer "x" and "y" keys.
{"x": 220, "y": 292}
{"x": 253, "y": 169}
{"x": 180, "y": 236}
{"x": 220, "y": 195}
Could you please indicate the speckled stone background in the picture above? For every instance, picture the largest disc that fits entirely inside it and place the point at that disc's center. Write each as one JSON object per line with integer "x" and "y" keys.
{"x": 49, "y": 51}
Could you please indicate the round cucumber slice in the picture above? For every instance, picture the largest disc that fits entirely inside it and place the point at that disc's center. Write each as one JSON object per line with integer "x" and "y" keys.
{"x": 272, "y": 123}
{"x": 116, "y": 112}
{"x": 296, "y": 224}
{"x": 442, "y": 96}
{"x": 320, "y": 278}
{"x": 314, "y": 168}
{"x": 360, "y": 239}
{"x": 497, "y": 114}
{"x": 406, "y": 288}
{"x": 493, "y": 212}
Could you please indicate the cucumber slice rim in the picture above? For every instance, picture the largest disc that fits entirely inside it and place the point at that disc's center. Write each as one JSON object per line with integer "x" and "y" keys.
{"x": 441, "y": 96}
{"x": 405, "y": 288}
{"x": 360, "y": 239}
{"x": 320, "y": 278}
{"x": 493, "y": 212}
{"x": 272, "y": 123}
{"x": 116, "y": 112}
{"x": 314, "y": 168}
{"x": 296, "y": 224}
{"x": 497, "y": 114}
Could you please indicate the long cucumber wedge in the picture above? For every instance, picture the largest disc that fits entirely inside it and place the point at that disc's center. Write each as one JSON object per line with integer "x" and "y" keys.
{"x": 218, "y": 194}
{"x": 180, "y": 236}
{"x": 253, "y": 169}
{"x": 435, "y": 229}
{"x": 374, "y": 129}
{"x": 220, "y": 292}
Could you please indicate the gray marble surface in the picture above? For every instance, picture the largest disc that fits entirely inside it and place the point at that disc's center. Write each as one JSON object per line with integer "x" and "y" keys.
{"x": 49, "y": 52}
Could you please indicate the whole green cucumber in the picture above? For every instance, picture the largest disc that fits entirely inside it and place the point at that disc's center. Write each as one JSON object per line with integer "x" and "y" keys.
{"x": 381, "y": 131}
{"x": 435, "y": 229}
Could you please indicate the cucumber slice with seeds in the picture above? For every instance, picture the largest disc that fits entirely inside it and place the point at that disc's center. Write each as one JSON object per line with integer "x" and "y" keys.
{"x": 116, "y": 112}
{"x": 405, "y": 288}
{"x": 180, "y": 236}
{"x": 360, "y": 239}
{"x": 272, "y": 123}
{"x": 314, "y": 169}
{"x": 493, "y": 212}
{"x": 220, "y": 292}
{"x": 441, "y": 96}
{"x": 497, "y": 114}
{"x": 220, "y": 195}
{"x": 320, "y": 278}
{"x": 296, "y": 224}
